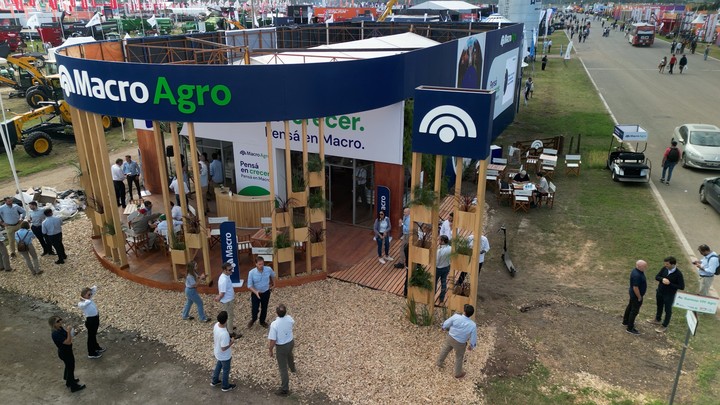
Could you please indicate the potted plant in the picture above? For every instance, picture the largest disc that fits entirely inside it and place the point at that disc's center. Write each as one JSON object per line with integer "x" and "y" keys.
{"x": 192, "y": 231}
{"x": 109, "y": 231}
{"x": 315, "y": 166}
{"x": 461, "y": 252}
{"x": 317, "y": 241}
{"x": 283, "y": 247}
{"x": 420, "y": 284}
{"x": 420, "y": 248}
{"x": 318, "y": 205}
{"x": 300, "y": 229}
{"x": 465, "y": 218}
{"x": 299, "y": 188}
{"x": 424, "y": 199}
{"x": 97, "y": 207}
{"x": 178, "y": 255}
{"x": 282, "y": 211}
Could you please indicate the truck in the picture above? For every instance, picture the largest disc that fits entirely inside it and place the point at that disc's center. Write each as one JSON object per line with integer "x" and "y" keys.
{"x": 641, "y": 34}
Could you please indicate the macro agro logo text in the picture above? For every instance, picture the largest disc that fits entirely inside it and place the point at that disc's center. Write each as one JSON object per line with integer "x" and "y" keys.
{"x": 186, "y": 97}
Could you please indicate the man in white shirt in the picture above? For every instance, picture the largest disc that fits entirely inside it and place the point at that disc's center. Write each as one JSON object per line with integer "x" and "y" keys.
{"x": 484, "y": 248}
{"x": 221, "y": 348}
{"x": 175, "y": 187}
{"x": 281, "y": 336}
{"x": 175, "y": 211}
{"x": 442, "y": 265}
{"x": 226, "y": 295}
{"x": 446, "y": 227}
{"x": 462, "y": 330}
{"x": 118, "y": 182}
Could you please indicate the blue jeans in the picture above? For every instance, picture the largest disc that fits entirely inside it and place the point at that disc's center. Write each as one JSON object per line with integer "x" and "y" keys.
{"x": 380, "y": 244}
{"x": 193, "y": 297}
{"x": 225, "y": 366}
{"x": 668, "y": 166}
{"x": 442, "y": 274}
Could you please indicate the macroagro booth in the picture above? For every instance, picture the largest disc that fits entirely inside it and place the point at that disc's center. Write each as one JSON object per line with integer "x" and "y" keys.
{"x": 272, "y": 103}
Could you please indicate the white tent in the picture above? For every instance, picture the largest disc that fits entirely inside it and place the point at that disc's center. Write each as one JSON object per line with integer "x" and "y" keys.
{"x": 383, "y": 46}
{"x": 445, "y": 5}
{"x": 496, "y": 18}
{"x": 68, "y": 42}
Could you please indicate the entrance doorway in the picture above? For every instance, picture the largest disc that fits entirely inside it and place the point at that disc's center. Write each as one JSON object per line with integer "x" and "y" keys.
{"x": 350, "y": 190}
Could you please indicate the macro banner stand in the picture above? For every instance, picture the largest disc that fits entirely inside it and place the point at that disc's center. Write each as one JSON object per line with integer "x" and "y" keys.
{"x": 450, "y": 122}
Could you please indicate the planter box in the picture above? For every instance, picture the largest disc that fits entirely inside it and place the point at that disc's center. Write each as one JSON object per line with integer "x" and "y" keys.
{"x": 300, "y": 234}
{"x": 300, "y": 198}
{"x": 110, "y": 240}
{"x": 462, "y": 263}
{"x": 178, "y": 256}
{"x": 315, "y": 179}
{"x": 317, "y": 249}
{"x": 193, "y": 240}
{"x": 317, "y": 216}
{"x": 421, "y": 214}
{"x": 282, "y": 219}
{"x": 420, "y": 295}
{"x": 419, "y": 255}
{"x": 465, "y": 220}
{"x": 98, "y": 219}
{"x": 285, "y": 254}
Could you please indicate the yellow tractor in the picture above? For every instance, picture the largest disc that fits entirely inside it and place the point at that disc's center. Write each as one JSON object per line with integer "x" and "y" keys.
{"x": 22, "y": 73}
{"x": 37, "y": 139}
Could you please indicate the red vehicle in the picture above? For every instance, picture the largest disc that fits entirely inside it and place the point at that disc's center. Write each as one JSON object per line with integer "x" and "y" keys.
{"x": 51, "y": 33}
{"x": 11, "y": 35}
{"x": 343, "y": 13}
{"x": 642, "y": 34}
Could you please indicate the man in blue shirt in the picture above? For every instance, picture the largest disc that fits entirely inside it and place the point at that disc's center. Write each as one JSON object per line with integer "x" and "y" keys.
{"x": 462, "y": 330}
{"x": 216, "y": 171}
{"x": 36, "y": 217}
{"x": 131, "y": 170}
{"x": 52, "y": 229}
{"x": 707, "y": 267}
{"x": 638, "y": 286}
{"x": 261, "y": 280}
{"x": 10, "y": 216}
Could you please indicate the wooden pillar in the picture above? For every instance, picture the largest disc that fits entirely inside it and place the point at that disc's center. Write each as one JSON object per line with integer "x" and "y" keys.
{"x": 86, "y": 178}
{"x": 271, "y": 169}
{"x": 288, "y": 192}
{"x": 204, "y": 244}
{"x": 321, "y": 146}
{"x": 164, "y": 186}
{"x": 150, "y": 159}
{"x": 308, "y": 246}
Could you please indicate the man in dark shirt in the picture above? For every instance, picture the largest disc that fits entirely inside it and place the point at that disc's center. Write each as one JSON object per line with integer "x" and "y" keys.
{"x": 62, "y": 337}
{"x": 638, "y": 286}
{"x": 670, "y": 279}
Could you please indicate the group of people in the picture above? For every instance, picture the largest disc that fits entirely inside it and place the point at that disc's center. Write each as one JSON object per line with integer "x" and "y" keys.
{"x": 682, "y": 64}
{"x": 542, "y": 187}
{"x": 121, "y": 171}
{"x": 670, "y": 280}
{"x": 21, "y": 228}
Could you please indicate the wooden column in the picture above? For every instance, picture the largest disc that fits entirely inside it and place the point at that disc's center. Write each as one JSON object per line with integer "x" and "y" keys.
{"x": 321, "y": 150}
{"x": 271, "y": 169}
{"x": 150, "y": 159}
{"x": 180, "y": 175}
{"x": 308, "y": 246}
{"x": 288, "y": 193}
{"x": 86, "y": 179}
{"x": 164, "y": 186}
{"x": 204, "y": 244}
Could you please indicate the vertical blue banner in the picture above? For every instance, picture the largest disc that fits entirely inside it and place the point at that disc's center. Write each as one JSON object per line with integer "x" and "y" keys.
{"x": 228, "y": 251}
{"x": 383, "y": 200}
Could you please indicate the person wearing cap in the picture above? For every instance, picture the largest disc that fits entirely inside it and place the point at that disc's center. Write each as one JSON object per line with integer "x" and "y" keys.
{"x": 36, "y": 217}
{"x": 226, "y": 296}
{"x": 521, "y": 177}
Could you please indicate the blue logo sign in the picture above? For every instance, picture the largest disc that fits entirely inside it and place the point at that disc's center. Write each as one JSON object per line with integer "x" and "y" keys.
{"x": 453, "y": 122}
{"x": 383, "y": 200}
{"x": 229, "y": 253}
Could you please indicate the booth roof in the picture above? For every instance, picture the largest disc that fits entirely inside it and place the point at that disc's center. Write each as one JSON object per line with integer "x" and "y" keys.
{"x": 445, "y": 5}
{"x": 386, "y": 46}
{"x": 68, "y": 42}
{"x": 496, "y": 18}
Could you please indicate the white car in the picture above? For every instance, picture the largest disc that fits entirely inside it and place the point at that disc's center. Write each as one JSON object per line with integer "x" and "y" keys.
{"x": 702, "y": 145}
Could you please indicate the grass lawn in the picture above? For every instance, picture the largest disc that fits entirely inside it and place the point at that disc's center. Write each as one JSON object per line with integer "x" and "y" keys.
{"x": 612, "y": 224}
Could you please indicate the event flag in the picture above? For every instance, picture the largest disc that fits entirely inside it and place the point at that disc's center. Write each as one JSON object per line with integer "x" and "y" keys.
{"x": 33, "y": 22}
{"x": 95, "y": 20}
{"x": 152, "y": 21}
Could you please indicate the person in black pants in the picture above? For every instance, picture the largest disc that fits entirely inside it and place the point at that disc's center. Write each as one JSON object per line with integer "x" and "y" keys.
{"x": 62, "y": 337}
{"x": 670, "y": 279}
{"x": 118, "y": 178}
{"x": 52, "y": 229}
{"x": 36, "y": 218}
{"x": 638, "y": 286}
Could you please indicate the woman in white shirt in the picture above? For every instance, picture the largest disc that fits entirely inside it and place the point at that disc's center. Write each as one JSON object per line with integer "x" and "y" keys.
{"x": 382, "y": 236}
{"x": 92, "y": 321}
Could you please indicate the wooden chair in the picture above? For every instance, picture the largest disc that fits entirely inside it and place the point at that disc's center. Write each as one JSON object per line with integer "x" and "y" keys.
{"x": 504, "y": 193}
{"x": 499, "y": 161}
{"x": 549, "y": 198}
{"x": 214, "y": 224}
{"x": 521, "y": 200}
{"x": 244, "y": 245}
{"x": 265, "y": 222}
{"x": 548, "y": 166}
{"x": 134, "y": 242}
{"x": 549, "y": 151}
{"x": 265, "y": 252}
{"x": 572, "y": 164}
{"x": 491, "y": 178}
{"x": 162, "y": 242}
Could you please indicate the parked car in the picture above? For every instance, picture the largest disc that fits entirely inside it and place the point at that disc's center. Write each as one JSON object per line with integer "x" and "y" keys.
{"x": 702, "y": 145}
{"x": 710, "y": 192}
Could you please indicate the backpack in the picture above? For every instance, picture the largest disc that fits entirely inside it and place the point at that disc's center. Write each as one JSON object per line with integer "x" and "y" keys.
{"x": 717, "y": 269}
{"x": 22, "y": 246}
{"x": 673, "y": 155}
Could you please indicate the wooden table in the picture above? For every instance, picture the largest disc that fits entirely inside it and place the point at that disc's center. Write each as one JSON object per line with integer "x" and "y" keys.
{"x": 498, "y": 168}
{"x": 261, "y": 238}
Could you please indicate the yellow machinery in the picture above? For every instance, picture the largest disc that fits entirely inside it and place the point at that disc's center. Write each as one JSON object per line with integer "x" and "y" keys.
{"x": 388, "y": 10}
{"x": 23, "y": 74}
{"x": 37, "y": 140}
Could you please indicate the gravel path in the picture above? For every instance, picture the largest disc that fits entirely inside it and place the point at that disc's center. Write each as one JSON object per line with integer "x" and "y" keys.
{"x": 352, "y": 343}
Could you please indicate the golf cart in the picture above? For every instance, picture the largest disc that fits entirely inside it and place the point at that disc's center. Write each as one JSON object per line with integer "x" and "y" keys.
{"x": 628, "y": 165}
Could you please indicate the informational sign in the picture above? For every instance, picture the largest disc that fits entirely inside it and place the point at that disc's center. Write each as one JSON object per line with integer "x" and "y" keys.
{"x": 453, "y": 122}
{"x": 630, "y": 133}
{"x": 383, "y": 199}
{"x": 228, "y": 251}
{"x": 568, "y": 51}
{"x": 692, "y": 321}
{"x": 697, "y": 303}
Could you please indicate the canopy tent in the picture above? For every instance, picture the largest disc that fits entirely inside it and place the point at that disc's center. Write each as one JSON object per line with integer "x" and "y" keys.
{"x": 496, "y": 18}
{"x": 445, "y": 5}
{"x": 368, "y": 48}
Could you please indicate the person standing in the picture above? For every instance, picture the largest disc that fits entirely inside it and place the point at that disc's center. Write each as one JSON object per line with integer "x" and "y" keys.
{"x": 638, "y": 286}
{"x": 222, "y": 344}
{"x": 361, "y": 185}
{"x": 382, "y": 228}
{"x": 528, "y": 86}
{"x": 131, "y": 170}
{"x": 673, "y": 45}
{"x": 11, "y": 215}
{"x": 544, "y": 61}
{"x": 670, "y": 159}
{"x": 261, "y": 281}
{"x": 706, "y": 52}
{"x": 281, "y": 337}
{"x": 52, "y": 229}
{"x": 707, "y": 268}
{"x": 405, "y": 226}
{"x": 175, "y": 187}
{"x": 36, "y": 218}
{"x": 484, "y": 248}
{"x": 191, "y": 293}
{"x": 683, "y": 63}
{"x": 549, "y": 44}
{"x": 673, "y": 61}
{"x": 442, "y": 265}
{"x": 118, "y": 182}
{"x": 62, "y": 336}
{"x": 4, "y": 256}
{"x": 24, "y": 237}
{"x": 662, "y": 64}
{"x": 226, "y": 295}
{"x": 446, "y": 226}
{"x": 670, "y": 280}
{"x": 217, "y": 174}
{"x": 461, "y": 331}
{"x": 204, "y": 180}
{"x": 92, "y": 321}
